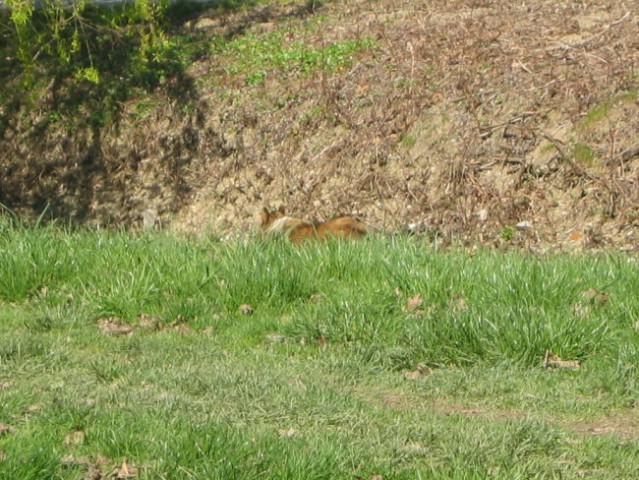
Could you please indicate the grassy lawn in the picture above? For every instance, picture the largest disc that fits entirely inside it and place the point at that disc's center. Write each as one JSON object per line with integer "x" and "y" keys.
{"x": 150, "y": 356}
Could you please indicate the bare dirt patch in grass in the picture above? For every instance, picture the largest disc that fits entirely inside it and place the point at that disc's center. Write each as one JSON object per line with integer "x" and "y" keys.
{"x": 624, "y": 423}
{"x": 621, "y": 422}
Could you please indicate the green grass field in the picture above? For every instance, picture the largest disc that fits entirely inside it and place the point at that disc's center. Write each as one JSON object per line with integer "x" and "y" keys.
{"x": 150, "y": 356}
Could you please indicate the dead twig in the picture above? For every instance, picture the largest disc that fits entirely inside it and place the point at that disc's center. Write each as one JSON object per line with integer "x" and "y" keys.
{"x": 554, "y": 361}
{"x": 592, "y": 38}
{"x": 562, "y": 155}
{"x": 627, "y": 155}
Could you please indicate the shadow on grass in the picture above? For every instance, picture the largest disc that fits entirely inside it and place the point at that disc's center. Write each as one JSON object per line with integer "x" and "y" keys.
{"x": 54, "y": 122}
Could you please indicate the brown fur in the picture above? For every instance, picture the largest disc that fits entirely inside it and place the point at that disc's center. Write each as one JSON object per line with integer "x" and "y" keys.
{"x": 298, "y": 230}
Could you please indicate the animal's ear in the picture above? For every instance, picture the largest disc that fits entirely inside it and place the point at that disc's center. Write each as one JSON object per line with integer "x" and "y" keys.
{"x": 265, "y": 215}
{"x": 282, "y": 210}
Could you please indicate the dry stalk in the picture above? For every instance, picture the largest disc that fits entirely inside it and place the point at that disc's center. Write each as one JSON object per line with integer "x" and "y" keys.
{"x": 554, "y": 361}
{"x": 625, "y": 156}
{"x": 566, "y": 158}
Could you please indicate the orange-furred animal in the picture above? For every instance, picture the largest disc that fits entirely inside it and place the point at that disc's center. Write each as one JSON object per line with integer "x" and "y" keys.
{"x": 298, "y": 230}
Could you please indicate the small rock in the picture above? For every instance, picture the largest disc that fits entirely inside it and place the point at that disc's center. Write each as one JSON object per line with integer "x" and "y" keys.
{"x": 418, "y": 227}
{"x": 150, "y": 219}
{"x": 525, "y": 225}
{"x": 482, "y": 215}
{"x": 204, "y": 24}
{"x": 288, "y": 433}
{"x": 275, "y": 338}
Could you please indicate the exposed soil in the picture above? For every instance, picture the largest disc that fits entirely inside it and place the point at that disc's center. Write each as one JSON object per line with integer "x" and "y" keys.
{"x": 622, "y": 422}
{"x": 496, "y": 122}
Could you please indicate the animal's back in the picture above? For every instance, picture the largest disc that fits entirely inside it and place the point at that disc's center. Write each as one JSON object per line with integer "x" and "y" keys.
{"x": 298, "y": 230}
{"x": 346, "y": 227}
{"x": 303, "y": 231}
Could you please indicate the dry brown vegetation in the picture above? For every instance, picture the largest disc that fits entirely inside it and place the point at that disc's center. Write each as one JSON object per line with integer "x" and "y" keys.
{"x": 497, "y": 122}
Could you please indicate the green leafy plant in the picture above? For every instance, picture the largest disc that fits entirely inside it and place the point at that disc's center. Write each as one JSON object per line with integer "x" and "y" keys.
{"x": 253, "y": 55}
{"x": 57, "y": 34}
{"x": 583, "y": 154}
{"x": 125, "y": 351}
{"x": 507, "y": 233}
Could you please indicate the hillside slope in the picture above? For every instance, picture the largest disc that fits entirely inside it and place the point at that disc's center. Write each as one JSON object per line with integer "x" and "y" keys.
{"x": 476, "y": 121}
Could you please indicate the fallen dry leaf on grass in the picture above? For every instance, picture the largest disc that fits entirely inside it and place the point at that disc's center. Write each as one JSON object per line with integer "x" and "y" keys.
{"x": 411, "y": 375}
{"x": 245, "y": 309}
{"x": 180, "y": 325}
{"x": 4, "y": 385}
{"x": 94, "y": 469}
{"x": 581, "y": 310}
{"x": 576, "y": 236}
{"x": 414, "y": 448}
{"x": 596, "y": 296}
{"x": 126, "y": 471}
{"x": 36, "y": 407}
{"x": 183, "y": 328}
{"x": 413, "y": 303}
{"x": 591, "y": 298}
{"x": 71, "y": 460}
{"x": 322, "y": 342}
{"x": 75, "y": 438}
{"x": 208, "y": 330}
{"x": 274, "y": 338}
{"x": 419, "y": 372}
{"x": 150, "y": 322}
{"x": 460, "y": 302}
{"x": 5, "y": 429}
{"x": 412, "y": 306}
{"x": 554, "y": 361}
{"x": 288, "y": 433}
{"x": 114, "y": 326}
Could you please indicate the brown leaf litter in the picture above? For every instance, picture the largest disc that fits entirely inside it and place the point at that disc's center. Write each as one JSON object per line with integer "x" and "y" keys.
{"x": 115, "y": 326}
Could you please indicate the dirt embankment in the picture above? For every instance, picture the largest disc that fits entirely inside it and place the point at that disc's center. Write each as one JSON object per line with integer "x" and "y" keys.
{"x": 479, "y": 121}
